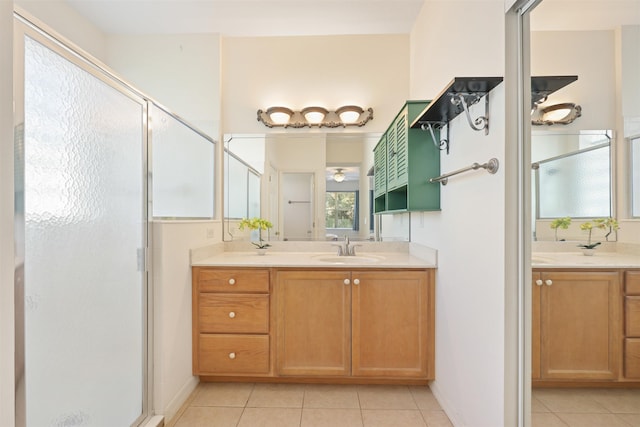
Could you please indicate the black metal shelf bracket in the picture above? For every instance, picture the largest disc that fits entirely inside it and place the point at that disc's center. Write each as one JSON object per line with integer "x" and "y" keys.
{"x": 456, "y": 98}
{"x": 441, "y": 144}
{"x": 468, "y": 99}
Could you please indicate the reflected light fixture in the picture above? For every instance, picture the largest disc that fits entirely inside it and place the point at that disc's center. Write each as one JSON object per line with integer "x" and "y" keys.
{"x": 339, "y": 175}
{"x": 348, "y": 115}
{"x": 564, "y": 113}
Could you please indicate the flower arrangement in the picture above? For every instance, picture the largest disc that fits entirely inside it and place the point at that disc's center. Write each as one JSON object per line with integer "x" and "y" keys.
{"x": 256, "y": 224}
{"x": 601, "y": 223}
{"x": 560, "y": 223}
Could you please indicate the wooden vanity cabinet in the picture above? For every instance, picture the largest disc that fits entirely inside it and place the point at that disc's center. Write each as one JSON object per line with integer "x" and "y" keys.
{"x": 230, "y": 321}
{"x": 374, "y": 324}
{"x": 632, "y": 325}
{"x": 575, "y": 325}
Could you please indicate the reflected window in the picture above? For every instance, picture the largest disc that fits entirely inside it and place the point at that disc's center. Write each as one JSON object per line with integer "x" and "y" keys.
{"x": 242, "y": 198}
{"x": 572, "y": 175}
{"x": 341, "y": 210}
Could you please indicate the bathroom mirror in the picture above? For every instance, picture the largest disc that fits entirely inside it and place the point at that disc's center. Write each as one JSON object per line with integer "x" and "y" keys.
{"x": 310, "y": 186}
{"x": 571, "y": 177}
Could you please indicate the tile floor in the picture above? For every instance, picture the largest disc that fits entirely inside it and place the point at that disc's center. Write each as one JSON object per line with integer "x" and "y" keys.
{"x": 585, "y": 407}
{"x": 310, "y": 405}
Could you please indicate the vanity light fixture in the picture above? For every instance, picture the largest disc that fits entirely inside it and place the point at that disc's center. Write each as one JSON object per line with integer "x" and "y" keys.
{"x": 279, "y": 115}
{"x": 564, "y": 113}
{"x": 348, "y": 115}
{"x": 339, "y": 175}
{"x": 314, "y": 115}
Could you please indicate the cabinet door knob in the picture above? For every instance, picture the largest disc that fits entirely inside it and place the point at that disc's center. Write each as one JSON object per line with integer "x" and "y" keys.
{"x": 347, "y": 281}
{"x": 356, "y": 281}
{"x": 548, "y": 282}
{"x": 539, "y": 282}
{"x": 232, "y": 355}
{"x": 232, "y": 314}
{"x": 232, "y": 281}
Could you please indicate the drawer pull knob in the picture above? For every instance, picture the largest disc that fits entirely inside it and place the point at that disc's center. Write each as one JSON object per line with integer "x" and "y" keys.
{"x": 347, "y": 281}
{"x": 356, "y": 281}
{"x": 232, "y": 281}
{"x": 539, "y": 282}
{"x": 232, "y": 355}
{"x": 232, "y": 314}
{"x": 548, "y": 282}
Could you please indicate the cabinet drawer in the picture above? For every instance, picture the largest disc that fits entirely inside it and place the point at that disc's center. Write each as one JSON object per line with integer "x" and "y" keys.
{"x": 632, "y": 316}
{"x": 232, "y": 280}
{"x": 632, "y": 282}
{"x": 632, "y": 358}
{"x": 233, "y": 354}
{"x": 232, "y": 313}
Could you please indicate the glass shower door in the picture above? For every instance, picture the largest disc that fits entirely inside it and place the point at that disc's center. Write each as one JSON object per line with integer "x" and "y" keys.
{"x": 85, "y": 233}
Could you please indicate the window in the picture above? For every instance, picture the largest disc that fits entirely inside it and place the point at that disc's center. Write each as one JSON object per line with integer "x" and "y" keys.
{"x": 341, "y": 209}
{"x": 183, "y": 169}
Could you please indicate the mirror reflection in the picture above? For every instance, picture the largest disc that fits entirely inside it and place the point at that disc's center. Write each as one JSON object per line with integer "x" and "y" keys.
{"x": 310, "y": 186}
{"x": 571, "y": 177}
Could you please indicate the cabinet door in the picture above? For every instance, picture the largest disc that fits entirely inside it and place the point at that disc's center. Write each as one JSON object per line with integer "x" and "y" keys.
{"x": 397, "y": 148}
{"x": 535, "y": 326}
{"x": 380, "y": 167}
{"x": 391, "y": 158}
{"x": 313, "y": 328}
{"x": 402, "y": 151}
{"x": 393, "y": 324}
{"x": 579, "y": 325}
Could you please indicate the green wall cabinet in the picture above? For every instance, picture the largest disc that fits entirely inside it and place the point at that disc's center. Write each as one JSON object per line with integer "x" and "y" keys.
{"x": 404, "y": 160}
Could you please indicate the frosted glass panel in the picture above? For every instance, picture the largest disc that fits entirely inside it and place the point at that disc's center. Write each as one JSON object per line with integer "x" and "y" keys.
{"x": 635, "y": 176}
{"x": 253, "y": 195}
{"x": 236, "y": 192}
{"x": 576, "y": 186}
{"x": 84, "y": 228}
{"x": 183, "y": 169}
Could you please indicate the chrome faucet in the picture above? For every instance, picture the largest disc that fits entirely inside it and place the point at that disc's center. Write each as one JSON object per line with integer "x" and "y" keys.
{"x": 346, "y": 249}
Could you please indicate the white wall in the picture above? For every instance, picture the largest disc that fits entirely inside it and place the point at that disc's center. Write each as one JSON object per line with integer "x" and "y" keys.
{"x": 455, "y": 39}
{"x": 181, "y": 72}
{"x": 172, "y": 309}
{"x": 297, "y": 72}
{"x": 563, "y": 53}
{"x": 57, "y": 14}
{"x": 469, "y": 232}
{"x": 7, "y": 325}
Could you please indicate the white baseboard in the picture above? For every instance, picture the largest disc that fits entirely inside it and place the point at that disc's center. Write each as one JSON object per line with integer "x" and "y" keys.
{"x": 178, "y": 400}
{"x": 446, "y": 405}
{"x": 155, "y": 421}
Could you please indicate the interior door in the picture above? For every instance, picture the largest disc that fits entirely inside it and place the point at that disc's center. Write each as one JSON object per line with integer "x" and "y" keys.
{"x": 297, "y": 206}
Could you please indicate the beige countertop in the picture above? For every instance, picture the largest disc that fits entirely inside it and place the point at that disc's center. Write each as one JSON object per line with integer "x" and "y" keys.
{"x": 315, "y": 260}
{"x": 602, "y": 259}
{"x": 396, "y": 255}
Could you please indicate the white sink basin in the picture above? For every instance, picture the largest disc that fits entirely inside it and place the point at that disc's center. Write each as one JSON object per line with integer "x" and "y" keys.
{"x": 356, "y": 259}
